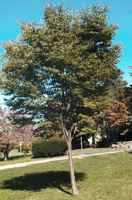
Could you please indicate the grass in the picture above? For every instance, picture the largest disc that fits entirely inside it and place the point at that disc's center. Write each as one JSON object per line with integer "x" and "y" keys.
{"x": 91, "y": 150}
{"x": 99, "y": 178}
{"x": 17, "y": 159}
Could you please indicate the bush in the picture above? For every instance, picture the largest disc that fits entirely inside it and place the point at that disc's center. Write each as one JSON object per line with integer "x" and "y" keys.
{"x": 48, "y": 148}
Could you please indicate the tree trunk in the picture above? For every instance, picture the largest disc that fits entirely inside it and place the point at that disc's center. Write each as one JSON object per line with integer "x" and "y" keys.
{"x": 93, "y": 140}
{"x": 72, "y": 171}
{"x": 6, "y": 155}
{"x": 68, "y": 139}
{"x": 81, "y": 141}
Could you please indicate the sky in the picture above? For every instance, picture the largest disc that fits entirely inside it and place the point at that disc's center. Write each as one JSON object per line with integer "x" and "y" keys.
{"x": 13, "y": 12}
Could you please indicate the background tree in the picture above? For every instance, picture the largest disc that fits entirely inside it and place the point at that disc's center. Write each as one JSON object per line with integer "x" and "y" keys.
{"x": 24, "y": 136}
{"x": 7, "y": 134}
{"x": 96, "y": 124}
{"x": 56, "y": 68}
{"x": 128, "y": 99}
{"x": 11, "y": 136}
{"x": 116, "y": 116}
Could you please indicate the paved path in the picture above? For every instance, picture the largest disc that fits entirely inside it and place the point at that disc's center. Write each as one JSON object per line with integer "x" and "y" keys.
{"x": 47, "y": 160}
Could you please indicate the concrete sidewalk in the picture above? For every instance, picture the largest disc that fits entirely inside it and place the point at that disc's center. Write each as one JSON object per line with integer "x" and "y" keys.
{"x": 60, "y": 158}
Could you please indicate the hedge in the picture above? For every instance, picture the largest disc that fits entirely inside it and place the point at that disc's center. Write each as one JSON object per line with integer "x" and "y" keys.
{"x": 48, "y": 148}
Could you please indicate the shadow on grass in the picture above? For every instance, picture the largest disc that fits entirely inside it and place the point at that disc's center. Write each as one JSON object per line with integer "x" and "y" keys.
{"x": 37, "y": 181}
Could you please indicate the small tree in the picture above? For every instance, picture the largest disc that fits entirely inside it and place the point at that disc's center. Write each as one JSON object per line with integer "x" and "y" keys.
{"x": 7, "y": 134}
{"x": 57, "y": 67}
{"x": 11, "y": 135}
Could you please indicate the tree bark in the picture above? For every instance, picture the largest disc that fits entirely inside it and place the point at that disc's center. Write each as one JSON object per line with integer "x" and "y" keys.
{"x": 72, "y": 171}
{"x": 68, "y": 139}
{"x": 6, "y": 152}
{"x": 93, "y": 140}
{"x": 81, "y": 142}
{"x": 6, "y": 155}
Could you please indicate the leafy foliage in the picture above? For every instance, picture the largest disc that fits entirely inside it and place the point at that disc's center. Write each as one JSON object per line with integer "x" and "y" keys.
{"x": 48, "y": 148}
{"x": 57, "y": 68}
{"x": 117, "y": 114}
{"x": 12, "y": 136}
{"x": 7, "y": 134}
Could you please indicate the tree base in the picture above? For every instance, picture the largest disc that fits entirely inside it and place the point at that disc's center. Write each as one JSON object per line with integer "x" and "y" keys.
{"x": 75, "y": 192}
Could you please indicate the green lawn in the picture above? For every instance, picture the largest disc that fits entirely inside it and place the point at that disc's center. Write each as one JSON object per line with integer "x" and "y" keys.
{"x": 15, "y": 157}
{"x": 20, "y": 159}
{"x": 99, "y": 178}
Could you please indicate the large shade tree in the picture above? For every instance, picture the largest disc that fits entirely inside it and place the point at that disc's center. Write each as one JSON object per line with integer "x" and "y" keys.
{"x": 57, "y": 67}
